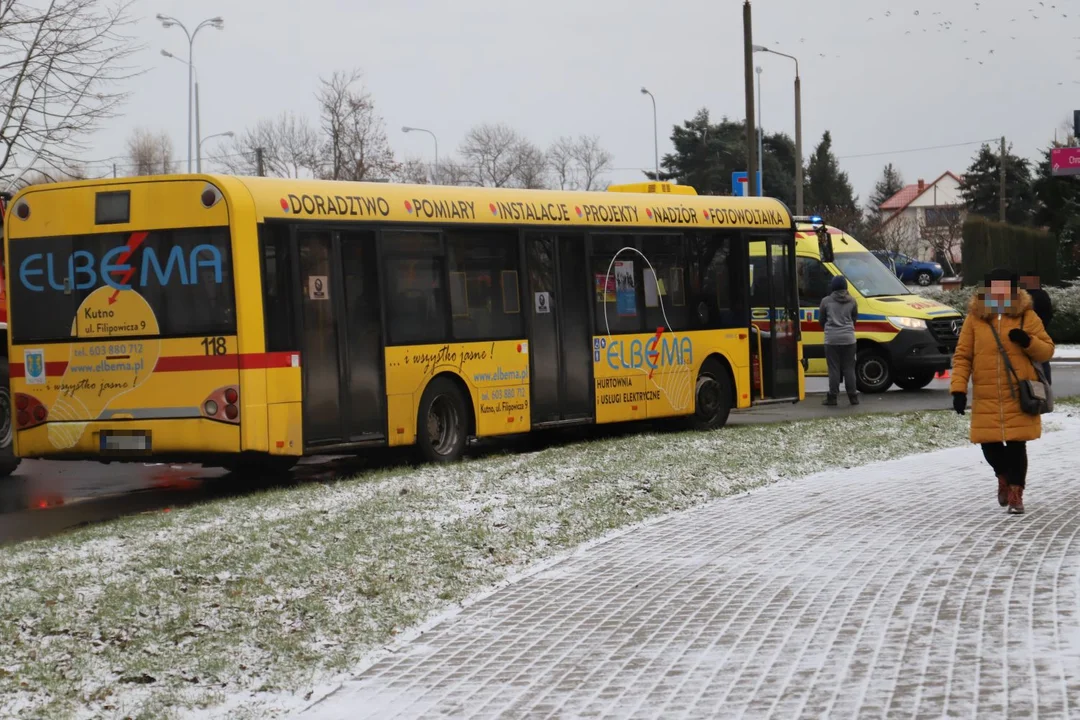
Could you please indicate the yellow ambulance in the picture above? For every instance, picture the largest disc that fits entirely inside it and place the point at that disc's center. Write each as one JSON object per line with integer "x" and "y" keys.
{"x": 903, "y": 338}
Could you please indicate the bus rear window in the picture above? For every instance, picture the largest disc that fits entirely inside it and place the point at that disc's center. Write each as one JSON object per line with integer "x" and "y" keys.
{"x": 67, "y": 287}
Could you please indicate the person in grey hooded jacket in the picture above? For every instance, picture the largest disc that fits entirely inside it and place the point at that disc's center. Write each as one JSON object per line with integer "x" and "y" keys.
{"x": 838, "y": 313}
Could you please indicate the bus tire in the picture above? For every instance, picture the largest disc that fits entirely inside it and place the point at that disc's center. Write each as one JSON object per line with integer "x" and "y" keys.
{"x": 8, "y": 461}
{"x": 442, "y": 423}
{"x": 713, "y": 397}
{"x": 915, "y": 382}
{"x": 873, "y": 374}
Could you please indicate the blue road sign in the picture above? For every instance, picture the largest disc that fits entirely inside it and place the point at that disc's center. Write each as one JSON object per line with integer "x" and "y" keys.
{"x": 739, "y": 184}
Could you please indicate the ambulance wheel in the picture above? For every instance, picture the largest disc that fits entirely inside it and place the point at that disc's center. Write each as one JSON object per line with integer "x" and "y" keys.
{"x": 442, "y": 423}
{"x": 872, "y": 372}
{"x": 915, "y": 382}
{"x": 713, "y": 397}
{"x": 8, "y": 461}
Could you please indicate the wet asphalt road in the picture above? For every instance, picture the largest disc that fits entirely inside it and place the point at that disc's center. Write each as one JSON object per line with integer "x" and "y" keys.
{"x": 45, "y": 498}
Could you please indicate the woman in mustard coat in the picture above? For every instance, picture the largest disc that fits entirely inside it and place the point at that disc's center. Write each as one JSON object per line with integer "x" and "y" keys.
{"x": 997, "y": 422}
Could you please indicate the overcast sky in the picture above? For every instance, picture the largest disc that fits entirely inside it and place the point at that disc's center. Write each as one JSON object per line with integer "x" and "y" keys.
{"x": 904, "y": 79}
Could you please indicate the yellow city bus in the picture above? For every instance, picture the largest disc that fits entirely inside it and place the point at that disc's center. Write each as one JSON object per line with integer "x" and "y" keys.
{"x": 239, "y": 321}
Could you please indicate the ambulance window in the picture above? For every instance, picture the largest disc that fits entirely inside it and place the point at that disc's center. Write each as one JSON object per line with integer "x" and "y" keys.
{"x": 814, "y": 282}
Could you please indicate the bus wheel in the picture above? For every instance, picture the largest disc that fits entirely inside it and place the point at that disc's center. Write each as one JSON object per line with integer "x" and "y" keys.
{"x": 712, "y": 402}
{"x": 442, "y": 423}
{"x": 915, "y": 382}
{"x": 8, "y": 461}
{"x": 872, "y": 372}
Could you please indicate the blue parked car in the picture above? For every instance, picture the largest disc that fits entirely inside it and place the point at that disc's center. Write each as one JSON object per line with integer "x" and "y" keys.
{"x": 910, "y": 270}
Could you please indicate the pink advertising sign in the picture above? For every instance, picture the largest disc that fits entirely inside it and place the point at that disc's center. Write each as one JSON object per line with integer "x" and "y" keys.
{"x": 1065, "y": 161}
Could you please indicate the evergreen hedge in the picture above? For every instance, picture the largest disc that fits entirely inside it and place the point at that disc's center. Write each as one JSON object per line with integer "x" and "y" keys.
{"x": 988, "y": 244}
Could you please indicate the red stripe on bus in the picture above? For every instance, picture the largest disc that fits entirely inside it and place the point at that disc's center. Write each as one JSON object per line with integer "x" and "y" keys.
{"x": 184, "y": 363}
{"x": 247, "y": 361}
{"x": 55, "y": 368}
{"x": 188, "y": 363}
{"x": 265, "y": 361}
{"x": 813, "y": 326}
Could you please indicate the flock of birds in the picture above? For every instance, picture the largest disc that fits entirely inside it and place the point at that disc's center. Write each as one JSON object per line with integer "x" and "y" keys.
{"x": 1041, "y": 10}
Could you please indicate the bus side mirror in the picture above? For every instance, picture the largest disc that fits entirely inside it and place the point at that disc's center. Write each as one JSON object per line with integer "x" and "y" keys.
{"x": 825, "y": 245}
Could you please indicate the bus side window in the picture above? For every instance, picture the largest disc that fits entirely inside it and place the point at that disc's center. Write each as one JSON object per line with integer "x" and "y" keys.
{"x": 418, "y": 306}
{"x": 715, "y": 295}
{"x": 277, "y": 283}
{"x": 484, "y": 293}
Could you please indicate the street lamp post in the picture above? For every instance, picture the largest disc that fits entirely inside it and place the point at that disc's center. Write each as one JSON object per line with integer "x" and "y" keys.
{"x": 798, "y": 127}
{"x": 227, "y": 133}
{"x": 435, "y": 173}
{"x": 168, "y": 22}
{"x": 656, "y": 133}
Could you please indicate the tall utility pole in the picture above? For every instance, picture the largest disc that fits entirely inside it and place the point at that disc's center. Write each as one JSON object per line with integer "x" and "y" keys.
{"x": 798, "y": 143}
{"x": 259, "y": 169}
{"x": 1001, "y": 190}
{"x": 748, "y": 71}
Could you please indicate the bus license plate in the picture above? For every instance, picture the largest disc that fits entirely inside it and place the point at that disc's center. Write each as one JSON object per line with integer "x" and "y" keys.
{"x": 137, "y": 441}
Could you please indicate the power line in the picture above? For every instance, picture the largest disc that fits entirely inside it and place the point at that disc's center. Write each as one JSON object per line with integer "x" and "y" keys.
{"x": 914, "y": 150}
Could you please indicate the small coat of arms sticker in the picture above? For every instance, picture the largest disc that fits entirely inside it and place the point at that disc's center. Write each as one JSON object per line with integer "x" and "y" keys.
{"x": 34, "y": 364}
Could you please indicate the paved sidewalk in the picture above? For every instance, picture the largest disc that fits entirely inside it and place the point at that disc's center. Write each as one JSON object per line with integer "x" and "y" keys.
{"x": 897, "y": 590}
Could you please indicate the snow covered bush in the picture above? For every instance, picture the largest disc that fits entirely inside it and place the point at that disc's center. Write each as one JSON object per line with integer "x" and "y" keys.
{"x": 1065, "y": 327}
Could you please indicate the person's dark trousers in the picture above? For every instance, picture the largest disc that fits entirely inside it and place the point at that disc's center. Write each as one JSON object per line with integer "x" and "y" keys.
{"x": 1046, "y": 372}
{"x": 1008, "y": 459}
{"x": 841, "y": 360}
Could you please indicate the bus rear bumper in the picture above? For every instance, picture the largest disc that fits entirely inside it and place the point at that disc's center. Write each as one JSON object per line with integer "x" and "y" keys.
{"x": 177, "y": 440}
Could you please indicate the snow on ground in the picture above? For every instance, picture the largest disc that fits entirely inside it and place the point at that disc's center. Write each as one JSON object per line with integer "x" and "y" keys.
{"x": 249, "y": 606}
{"x": 1067, "y": 352}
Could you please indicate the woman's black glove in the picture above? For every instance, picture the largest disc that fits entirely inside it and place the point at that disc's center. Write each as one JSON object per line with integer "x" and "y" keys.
{"x": 1020, "y": 337}
{"x": 959, "y": 402}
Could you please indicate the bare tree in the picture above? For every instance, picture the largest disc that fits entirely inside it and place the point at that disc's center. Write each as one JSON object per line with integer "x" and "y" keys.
{"x": 60, "y": 62}
{"x": 45, "y": 177}
{"x": 453, "y": 172}
{"x": 413, "y": 171}
{"x": 355, "y": 144}
{"x": 592, "y": 161}
{"x": 942, "y": 228}
{"x": 493, "y": 154}
{"x": 150, "y": 153}
{"x": 532, "y": 167}
{"x": 897, "y": 234}
{"x": 578, "y": 164}
{"x": 563, "y": 164}
{"x": 290, "y": 148}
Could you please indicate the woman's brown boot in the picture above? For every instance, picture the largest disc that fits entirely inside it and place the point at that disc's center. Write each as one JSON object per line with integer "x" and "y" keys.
{"x": 1016, "y": 500}
{"x": 1003, "y": 491}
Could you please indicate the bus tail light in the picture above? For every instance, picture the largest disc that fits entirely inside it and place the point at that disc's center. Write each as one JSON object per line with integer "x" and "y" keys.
{"x": 223, "y": 404}
{"x": 30, "y": 412}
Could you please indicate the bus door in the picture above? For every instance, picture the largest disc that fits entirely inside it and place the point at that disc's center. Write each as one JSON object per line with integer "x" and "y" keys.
{"x": 560, "y": 350}
{"x": 774, "y": 318}
{"x": 340, "y": 338}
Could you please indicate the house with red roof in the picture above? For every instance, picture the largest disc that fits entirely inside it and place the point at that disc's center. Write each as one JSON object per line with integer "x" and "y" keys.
{"x": 928, "y": 219}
